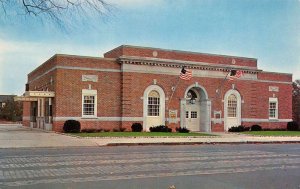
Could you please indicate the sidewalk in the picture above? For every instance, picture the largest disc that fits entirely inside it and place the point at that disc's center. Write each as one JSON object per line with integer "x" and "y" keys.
{"x": 16, "y": 136}
{"x": 221, "y": 138}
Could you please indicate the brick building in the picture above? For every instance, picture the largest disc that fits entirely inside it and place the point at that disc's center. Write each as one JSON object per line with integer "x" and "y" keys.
{"x": 139, "y": 84}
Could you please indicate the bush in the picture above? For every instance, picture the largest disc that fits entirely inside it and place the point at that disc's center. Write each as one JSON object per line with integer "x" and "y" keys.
{"x": 71, "y": 126}
{"x": 274, "y": 129}
{"x": 136, "y": 127}
{"x": 256, "y": 128}
{"x": 182, "y": 130}
{"x": 292, "y": 126}
{"x": 119, "y": 129}
{"x": 160, "y": 128}
{"x": 239, "y": 128}
{"x": 88, "y": 130}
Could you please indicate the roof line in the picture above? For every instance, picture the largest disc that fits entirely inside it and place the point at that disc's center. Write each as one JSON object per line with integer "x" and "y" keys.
{"x": 190, "y": 52}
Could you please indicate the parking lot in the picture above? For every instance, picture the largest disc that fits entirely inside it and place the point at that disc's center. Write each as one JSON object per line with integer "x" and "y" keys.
{"x": 16, "y": 136}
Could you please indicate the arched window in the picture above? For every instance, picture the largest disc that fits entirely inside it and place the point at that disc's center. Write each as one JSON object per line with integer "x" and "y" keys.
{"x": 232, "y": 106}
{"x": 153, "y": 103}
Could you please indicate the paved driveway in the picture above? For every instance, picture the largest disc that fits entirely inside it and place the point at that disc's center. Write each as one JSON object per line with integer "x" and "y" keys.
{"x": 16, "y": 136}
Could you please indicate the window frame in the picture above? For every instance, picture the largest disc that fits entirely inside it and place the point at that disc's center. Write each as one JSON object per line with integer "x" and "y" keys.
{"x": 273, "y": 100}
{"x": 87, "y": 92}
{"x": 232, "y": 110}
{"x": 153, "y": 104}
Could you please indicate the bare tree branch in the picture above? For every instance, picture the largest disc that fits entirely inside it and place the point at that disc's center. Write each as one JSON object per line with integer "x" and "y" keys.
{"x": 59, "y": 11}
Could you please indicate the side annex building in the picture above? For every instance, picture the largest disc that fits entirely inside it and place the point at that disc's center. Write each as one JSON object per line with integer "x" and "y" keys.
{"x": 140, "y": 84}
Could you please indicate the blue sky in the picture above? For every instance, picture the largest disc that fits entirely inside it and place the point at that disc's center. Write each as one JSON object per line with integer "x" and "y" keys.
{"x": 268, "y": 30}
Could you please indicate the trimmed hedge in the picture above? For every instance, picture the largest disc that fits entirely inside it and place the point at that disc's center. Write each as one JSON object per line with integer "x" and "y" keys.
{"x": 239, "y": 128}
{"x": 160, "y": 128}
{"x": 182, "y": 130}
{"x": 136, "y": 127}
{"x": 119, "y": 129}
{"x": 71, "y": 126}
{"x": 292, "y": 126}
{"x": 256, "y": 128}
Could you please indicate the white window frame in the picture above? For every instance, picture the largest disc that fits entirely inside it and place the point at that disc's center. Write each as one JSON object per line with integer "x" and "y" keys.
{"x": 273, "y": 100}
{"x": 153, "y": 108}
{"x": 88, "y": 92}
{"x": 232, "y": 106}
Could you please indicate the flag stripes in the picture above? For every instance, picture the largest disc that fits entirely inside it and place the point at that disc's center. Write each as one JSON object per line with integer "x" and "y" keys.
{"x": 235, "y": 74}
{"x": 185, "y": 74}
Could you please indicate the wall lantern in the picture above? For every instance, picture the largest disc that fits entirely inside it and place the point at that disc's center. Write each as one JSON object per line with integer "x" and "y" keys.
{"x": 192, "y": 100}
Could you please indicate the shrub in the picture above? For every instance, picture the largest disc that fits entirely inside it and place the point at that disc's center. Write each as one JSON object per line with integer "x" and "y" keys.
{"x": 182, "y": 130}
{"x": 239, "y": 128}
{"x": 136, "y": 127}
{"x": 88, "y": 130}
{"x": 292, "y": 126}
{"x": 71, "y": 126}
{"x": 160, "y": 128}
{"x": 256, "y": 128}
{"x": 274, "y": 129}
{"x": 99, "y": 130}
{"x": 119, "y": 129}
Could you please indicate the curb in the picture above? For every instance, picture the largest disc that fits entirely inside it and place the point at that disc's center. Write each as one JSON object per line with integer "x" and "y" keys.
{"x": 200, "y": 143}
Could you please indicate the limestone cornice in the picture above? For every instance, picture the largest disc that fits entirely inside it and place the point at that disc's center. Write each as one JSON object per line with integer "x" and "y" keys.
{"x": 188, "y": 64}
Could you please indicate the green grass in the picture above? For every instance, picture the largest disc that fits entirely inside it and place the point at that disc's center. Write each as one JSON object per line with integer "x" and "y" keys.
{"x": 139, "y": 134}
{"x": 273, "y": 133}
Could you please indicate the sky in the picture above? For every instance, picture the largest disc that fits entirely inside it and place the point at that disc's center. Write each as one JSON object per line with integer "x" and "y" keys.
{"x": 268, "y": 30}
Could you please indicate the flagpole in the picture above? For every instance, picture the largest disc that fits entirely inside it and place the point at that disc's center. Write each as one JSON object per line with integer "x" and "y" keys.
{"x": 222, "y": 83}
{"x": 173, "y": 91}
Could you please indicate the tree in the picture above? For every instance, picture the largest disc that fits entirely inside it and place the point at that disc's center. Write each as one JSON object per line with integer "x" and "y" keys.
{"x": 11, "y": 111}
{"x": 296, "y": 101}
{"x": 59, "y": 11}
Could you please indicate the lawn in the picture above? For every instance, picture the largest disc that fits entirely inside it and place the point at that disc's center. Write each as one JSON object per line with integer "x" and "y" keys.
{"x": 140, "y": 134}
{"x": 273, "y": 133}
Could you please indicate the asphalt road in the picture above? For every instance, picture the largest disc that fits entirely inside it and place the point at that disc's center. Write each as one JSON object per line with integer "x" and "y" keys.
{"x": 151, "y": 167}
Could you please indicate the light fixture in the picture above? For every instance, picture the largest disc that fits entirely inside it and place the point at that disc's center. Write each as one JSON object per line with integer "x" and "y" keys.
{"x": 192, "y": 100}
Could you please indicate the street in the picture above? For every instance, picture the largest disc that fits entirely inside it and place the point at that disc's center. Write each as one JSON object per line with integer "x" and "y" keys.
{"x": 151, "y": 167}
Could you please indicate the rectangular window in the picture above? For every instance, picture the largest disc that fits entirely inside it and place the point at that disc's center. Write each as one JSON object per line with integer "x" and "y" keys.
{"x": 89, "y": 103}
{"x": 273, "y": 108}
{"x": 187, "y": 114}
{"x": 193, "y": 114}
{"x": 153, "y": 106}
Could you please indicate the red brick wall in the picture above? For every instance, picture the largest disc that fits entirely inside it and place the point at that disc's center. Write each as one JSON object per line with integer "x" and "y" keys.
{"x": 106, "y": 125}
{"x": 180, "y": 55}
{"x": 43, "y": 68}
{"x": 275, "y": 76}
{"x": 119, "y": 94}
{"x": 26, "y": 113}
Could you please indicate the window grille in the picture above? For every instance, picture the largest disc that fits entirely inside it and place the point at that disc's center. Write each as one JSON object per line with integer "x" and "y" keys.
{"x": 153, "y": 103}
{"x": 232, "y": 106}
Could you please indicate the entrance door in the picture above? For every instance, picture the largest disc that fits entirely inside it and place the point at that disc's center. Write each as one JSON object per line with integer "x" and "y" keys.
{"x": 192, "y": 119}
{"x": 232, "y": 109}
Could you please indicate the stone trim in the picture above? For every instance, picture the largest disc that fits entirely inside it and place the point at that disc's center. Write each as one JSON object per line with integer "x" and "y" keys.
{"x": 179, "y": 63}
{"x": 99, "y": 118}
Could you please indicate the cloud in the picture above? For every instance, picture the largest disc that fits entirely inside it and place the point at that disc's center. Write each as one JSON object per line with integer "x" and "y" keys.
{"x": 18, "y": 58}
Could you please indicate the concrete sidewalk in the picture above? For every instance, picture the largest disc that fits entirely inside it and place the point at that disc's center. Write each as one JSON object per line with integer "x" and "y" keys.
{"x": 16, "y": 136}
{"x": 221, "y": 138}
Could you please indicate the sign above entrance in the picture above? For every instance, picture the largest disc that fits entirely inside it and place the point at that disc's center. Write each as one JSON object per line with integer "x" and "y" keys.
{"x": 39, "y": 94}
{"x": 23, "y": 98}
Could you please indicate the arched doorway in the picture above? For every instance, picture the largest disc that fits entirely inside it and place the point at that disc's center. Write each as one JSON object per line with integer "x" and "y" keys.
{"x": 232, "y": 109}
{"x": 154, "y": 107}
{"x": 195, "y": 109}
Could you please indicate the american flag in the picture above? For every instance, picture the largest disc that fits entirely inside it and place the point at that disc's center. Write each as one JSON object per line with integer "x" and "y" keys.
{"x": 185, "y": 74}
{"x": 235, "y": 74}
